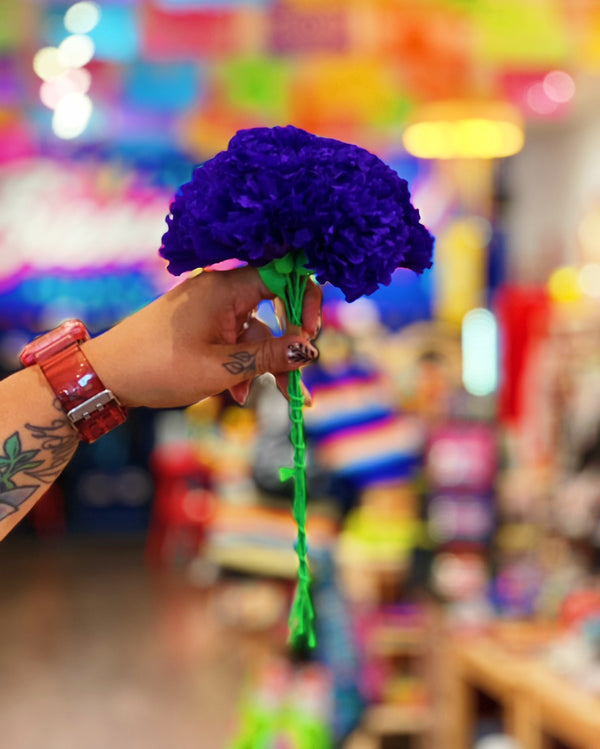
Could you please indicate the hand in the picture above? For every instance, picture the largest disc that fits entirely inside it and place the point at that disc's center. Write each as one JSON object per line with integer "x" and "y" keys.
{"x": 199, "y": 339}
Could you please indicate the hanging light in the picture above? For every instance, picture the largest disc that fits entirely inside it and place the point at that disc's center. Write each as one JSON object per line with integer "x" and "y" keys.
{"x": 464, "y": 129}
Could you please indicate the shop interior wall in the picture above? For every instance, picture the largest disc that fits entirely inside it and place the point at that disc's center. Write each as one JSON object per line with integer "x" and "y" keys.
{"x": 551, "y": 184}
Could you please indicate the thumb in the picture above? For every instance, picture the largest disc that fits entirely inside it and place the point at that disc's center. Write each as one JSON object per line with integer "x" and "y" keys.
{"x": 246, "y": 360}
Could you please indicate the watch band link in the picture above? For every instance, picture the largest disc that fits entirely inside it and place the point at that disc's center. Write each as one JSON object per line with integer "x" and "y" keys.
{"x": 90, "y": 407}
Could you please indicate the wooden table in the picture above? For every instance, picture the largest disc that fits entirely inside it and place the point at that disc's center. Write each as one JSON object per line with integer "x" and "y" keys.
{"x": 538, "y": 705}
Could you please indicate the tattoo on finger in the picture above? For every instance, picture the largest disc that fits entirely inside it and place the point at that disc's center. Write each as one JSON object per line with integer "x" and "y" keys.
{"x": 242, "y": 362}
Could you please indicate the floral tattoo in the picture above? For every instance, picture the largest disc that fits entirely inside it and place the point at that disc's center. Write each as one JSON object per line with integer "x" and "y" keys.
{"x": 40, "y": 465}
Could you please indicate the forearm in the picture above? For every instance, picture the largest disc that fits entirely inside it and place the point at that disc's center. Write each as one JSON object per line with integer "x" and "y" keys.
{"x": 36, "y": 443}
{"x": 198, "y": 339}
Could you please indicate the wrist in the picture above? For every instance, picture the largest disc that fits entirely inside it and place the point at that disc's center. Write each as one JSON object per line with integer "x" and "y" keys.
{"x": 115, "y": 362}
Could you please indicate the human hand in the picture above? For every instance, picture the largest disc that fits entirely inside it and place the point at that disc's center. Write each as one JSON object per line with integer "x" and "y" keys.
{"x": 199, "y": 339}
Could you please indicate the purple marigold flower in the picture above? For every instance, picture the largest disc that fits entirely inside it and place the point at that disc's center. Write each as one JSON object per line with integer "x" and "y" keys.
{"x": 279, "y": 190}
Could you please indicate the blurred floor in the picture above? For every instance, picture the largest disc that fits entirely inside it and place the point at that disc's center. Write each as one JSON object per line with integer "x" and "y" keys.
{"x": 98, "y": 653}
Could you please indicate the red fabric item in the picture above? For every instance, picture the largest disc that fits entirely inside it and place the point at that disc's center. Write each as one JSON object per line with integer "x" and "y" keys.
{"x": 184, "y": 504}
{"x": 523, "y": 315}
{"x": 48, "y": 514}
{"x": 579, "y": 607}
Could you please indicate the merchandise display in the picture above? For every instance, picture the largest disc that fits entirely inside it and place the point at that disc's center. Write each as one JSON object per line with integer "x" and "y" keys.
{"x": 287, "y": 707}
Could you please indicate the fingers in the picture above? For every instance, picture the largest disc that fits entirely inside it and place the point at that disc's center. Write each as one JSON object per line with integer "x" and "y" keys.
{"x": 254, "y": 330}
{"x": 247, "y": 360}
{"x": 282, "y": 381}
{"x": 311, "y": 311}
{"x": 274, "y": 355}
{"x": 250, "y": 290}
{"x": 241, "y": 391}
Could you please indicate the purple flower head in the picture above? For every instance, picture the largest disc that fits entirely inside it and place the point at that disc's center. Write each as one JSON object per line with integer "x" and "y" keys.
{"x": 279, "y": 190}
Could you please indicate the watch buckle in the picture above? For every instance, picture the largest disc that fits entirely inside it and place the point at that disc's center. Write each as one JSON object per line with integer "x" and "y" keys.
{"x": 91, "y": 405}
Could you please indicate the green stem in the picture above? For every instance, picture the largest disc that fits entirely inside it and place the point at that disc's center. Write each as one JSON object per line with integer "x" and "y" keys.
{"x": 287, "y": 278}
{"x": 301, "y": 619}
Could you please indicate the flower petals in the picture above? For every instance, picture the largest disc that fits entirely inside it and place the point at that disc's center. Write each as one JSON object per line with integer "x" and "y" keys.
{"x": 280, "y": 190}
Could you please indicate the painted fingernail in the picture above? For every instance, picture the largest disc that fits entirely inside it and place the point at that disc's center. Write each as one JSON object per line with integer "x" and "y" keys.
{"x": 302, "y": 352}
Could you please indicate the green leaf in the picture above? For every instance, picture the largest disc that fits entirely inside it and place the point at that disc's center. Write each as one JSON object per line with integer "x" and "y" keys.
{"x": 28, "y": 454}
{"x": 273, "y": 279}
{"x": 24, "y": 457}
{"x": 12, "y": 446}
{"x": 284, "y": 264}
{"x": 5, "y": 461}
{"x": 30, "y": 466}
{"x": 285, "y": 473}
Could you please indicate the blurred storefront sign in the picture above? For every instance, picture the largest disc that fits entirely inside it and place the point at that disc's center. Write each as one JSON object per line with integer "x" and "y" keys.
{"x": 57, "y": 216}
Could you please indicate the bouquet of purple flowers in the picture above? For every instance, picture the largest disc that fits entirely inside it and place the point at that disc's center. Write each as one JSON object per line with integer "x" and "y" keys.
{"x": 294, "y": 204}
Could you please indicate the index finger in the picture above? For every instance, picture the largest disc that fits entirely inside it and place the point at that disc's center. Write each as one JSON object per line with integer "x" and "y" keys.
{"x": 255, "y": 290}
{"x": 311, "y": 309}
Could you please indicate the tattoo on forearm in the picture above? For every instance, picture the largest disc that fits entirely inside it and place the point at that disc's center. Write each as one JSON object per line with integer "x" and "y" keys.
{"x": 59, "y": 446}
{"x": 242, "y": 362}
{"x": 42, "y": 464}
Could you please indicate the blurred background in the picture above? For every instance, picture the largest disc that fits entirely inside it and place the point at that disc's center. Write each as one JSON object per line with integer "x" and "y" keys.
{"x": 454, "y": 441}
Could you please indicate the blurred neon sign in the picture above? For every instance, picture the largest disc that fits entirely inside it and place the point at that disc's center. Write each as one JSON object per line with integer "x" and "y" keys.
{"x": 75, "y": 217}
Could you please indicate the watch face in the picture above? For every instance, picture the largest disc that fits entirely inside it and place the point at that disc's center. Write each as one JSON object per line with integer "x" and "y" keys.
{"x": 49, "y": 344}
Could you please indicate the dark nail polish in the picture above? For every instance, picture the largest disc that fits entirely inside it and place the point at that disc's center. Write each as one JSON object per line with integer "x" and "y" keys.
{"x": 302, "y": 352}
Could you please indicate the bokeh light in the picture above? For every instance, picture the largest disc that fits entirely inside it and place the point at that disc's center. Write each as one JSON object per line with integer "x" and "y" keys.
{"x": 48, "y": 63}
{"x": 559, "y": 86}
{"x": 76, "y": 81}
{"x": 564, "y": 284}
{"x": 589, "y": 280}
{"x": 539, "y": 101}
{"x": 76, "y": 50}
{"x": 82, "y": 17}
{"x": 71, "y": 115}
{"x": 465, "y": 139}
{"x": 463, "y": 129}
{"x": 480, "y": 352}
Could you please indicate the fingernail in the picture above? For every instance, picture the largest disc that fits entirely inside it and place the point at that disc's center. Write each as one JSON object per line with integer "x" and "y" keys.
{"x": 318, "y": 326}
{"x": 308, "y": 401}
{"x": 302, "y": 352}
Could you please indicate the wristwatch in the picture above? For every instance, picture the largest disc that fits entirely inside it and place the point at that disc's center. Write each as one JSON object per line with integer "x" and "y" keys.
{"x": 92, "y": 409}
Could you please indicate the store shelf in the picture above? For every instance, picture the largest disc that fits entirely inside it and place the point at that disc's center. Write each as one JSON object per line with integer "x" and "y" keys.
{"x": 391, "y": 641}
{"x": 536, "y": 702}
{"x": 361, "y": 740}
{"x": 255, "y": 560}
{"x": 397, "y": 719}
